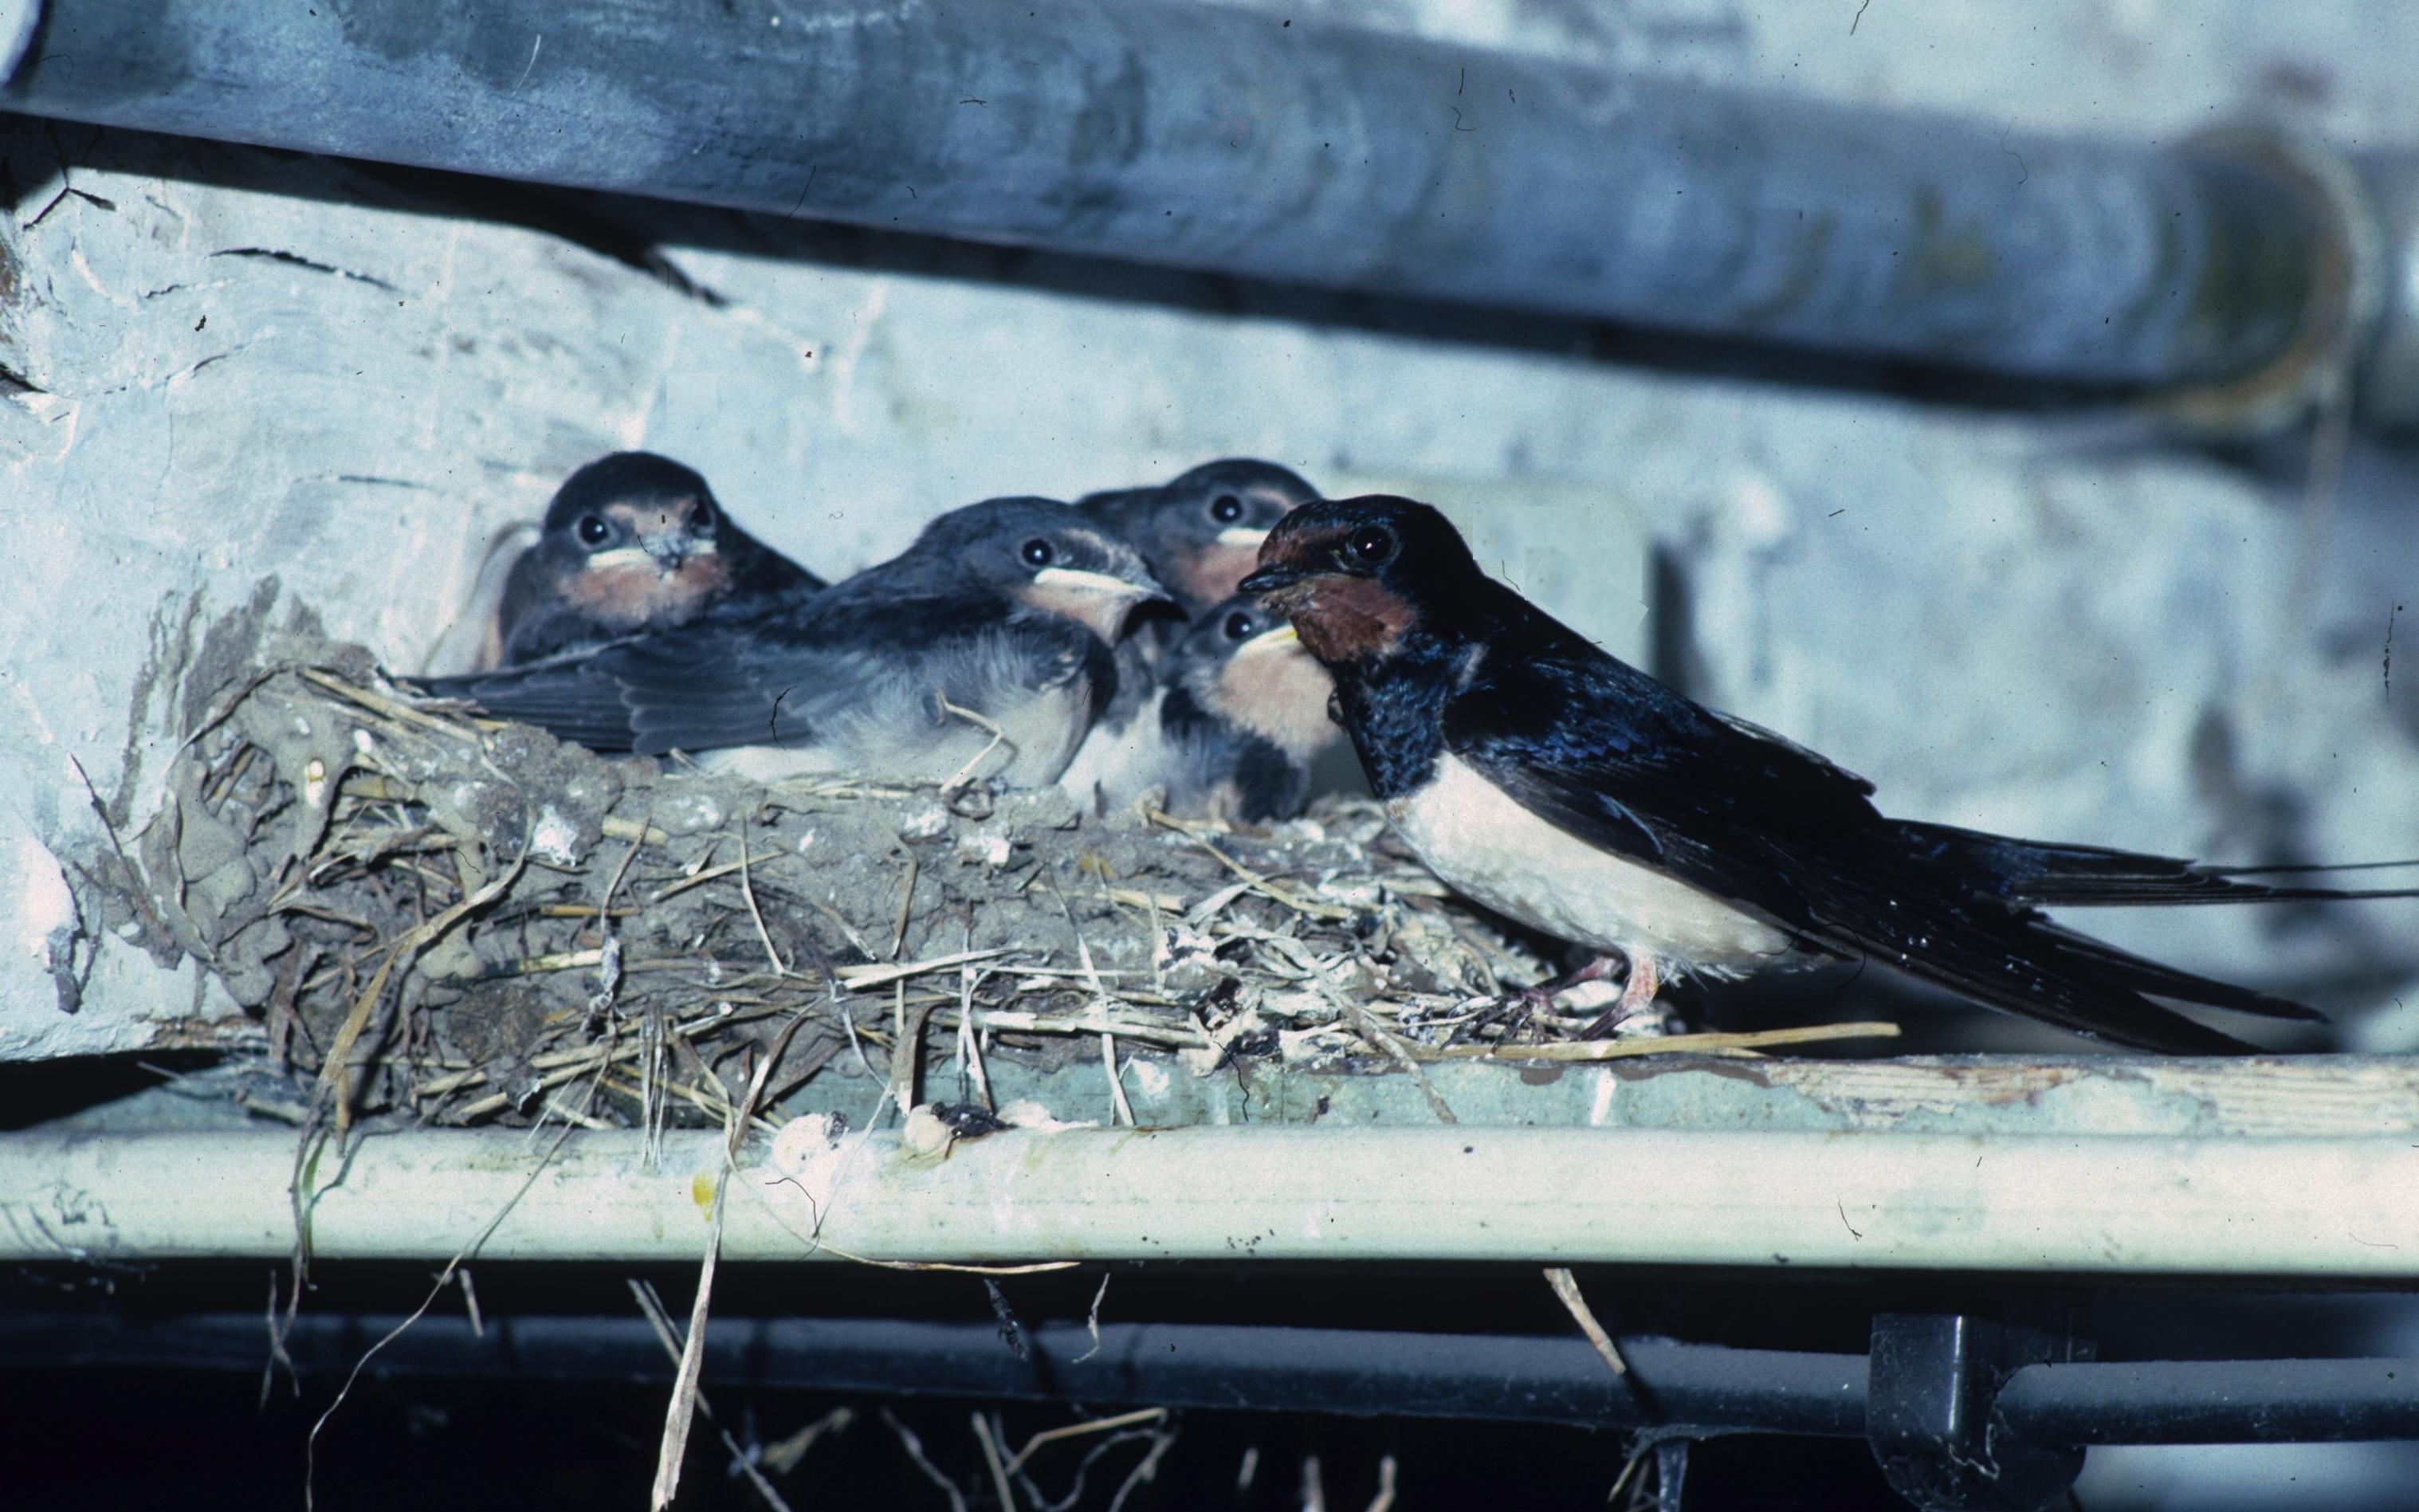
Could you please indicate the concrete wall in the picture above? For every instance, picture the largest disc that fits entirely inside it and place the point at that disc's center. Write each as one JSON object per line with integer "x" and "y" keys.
{"x": 225, "y": 369}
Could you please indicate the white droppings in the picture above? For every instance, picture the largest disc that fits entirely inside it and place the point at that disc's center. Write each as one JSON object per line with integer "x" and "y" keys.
{"x": 1149, "y": 1075}
{"x": 555, "y": 840}
{"x": 926, "y": 1134}
{"x": 690, "y": 812}
{"x": 363, "y": 743}
{"x": 805, "y": 841}
{"x": 808, "y": 1149}
{"x": 990, "y": 850}
{"x": 1024, "y": 1112}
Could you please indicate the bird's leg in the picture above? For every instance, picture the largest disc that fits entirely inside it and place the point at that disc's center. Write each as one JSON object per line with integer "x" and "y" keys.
{"x": 1540, "y": 998}
{"x": 1637, "y": 997}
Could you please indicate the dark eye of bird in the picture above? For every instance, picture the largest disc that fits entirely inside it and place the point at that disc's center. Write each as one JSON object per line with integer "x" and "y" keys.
{"x": 1226, "y": 509}
{"x": 1370, "y": 545}
{"x": 593, "y": 530}
{"x": 1036, "y": 552}
{"x": 701, "y": 519}
{"x": 1238, "y": 625}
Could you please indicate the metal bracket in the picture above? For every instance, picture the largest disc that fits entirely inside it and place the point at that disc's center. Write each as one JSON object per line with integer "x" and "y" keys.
{"x": 1928, "y": 1414}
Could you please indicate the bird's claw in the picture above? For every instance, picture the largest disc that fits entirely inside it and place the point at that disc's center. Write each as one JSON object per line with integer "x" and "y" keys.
{"x": 1637, "y": 999}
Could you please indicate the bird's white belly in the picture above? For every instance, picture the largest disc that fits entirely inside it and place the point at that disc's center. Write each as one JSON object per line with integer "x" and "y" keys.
{"x": 1114, "y": 763}
{"x": 1484, "y": 844}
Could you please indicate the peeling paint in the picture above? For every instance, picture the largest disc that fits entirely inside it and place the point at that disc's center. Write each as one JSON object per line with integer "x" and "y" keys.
{"x": 38, "y": 900}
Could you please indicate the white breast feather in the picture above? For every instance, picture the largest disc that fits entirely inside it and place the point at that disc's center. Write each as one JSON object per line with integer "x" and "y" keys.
{"x": 1116, "y": 762}
{"x": 1486, "y": 846}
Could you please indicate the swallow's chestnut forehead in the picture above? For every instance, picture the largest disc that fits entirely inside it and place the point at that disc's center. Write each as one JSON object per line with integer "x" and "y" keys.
{"x": 1294, "y": 544}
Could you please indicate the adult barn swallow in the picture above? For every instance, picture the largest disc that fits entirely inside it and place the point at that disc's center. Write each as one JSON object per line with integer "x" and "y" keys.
{"x": 1571, "y": 791}
{"x": 1228, "y": 727}
{"x": 634, "y": 541}
{"x": 1202, "y": 530}
{"x": 984, "y": 647}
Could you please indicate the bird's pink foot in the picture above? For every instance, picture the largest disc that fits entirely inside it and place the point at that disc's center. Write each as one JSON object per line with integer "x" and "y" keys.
{"x": 1637, "y": 998}
{"x": 1540, "y": 998}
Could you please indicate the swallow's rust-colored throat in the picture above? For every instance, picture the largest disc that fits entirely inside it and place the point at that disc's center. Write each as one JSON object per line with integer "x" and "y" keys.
{"x": 1341, "y": 618}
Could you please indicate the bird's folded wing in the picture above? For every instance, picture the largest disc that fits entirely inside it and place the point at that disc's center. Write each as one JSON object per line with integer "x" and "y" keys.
{"x": 1790, "y": 839}
{"x": 701, "y": 688}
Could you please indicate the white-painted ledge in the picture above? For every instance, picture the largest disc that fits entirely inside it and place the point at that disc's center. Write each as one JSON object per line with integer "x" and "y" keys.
{"x": 2316, "y": 1207}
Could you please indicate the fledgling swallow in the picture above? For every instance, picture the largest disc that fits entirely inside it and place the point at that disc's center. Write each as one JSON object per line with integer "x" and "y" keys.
{"x": 982, "y": 649}
{"x": 1571, "y": 791}
{"x": 631, "y": 542}
{"x": 1227, "y": 730}
{"x": 1201, "y": 532}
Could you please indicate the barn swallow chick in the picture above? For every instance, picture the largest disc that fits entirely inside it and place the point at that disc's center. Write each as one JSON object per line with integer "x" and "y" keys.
{"x": 1228, "y": 730}
{"x": 1574, "y": 793}
{"x": 981, "y": 650}
{"x": 634, "y": 541}
{"x": 1202, "y": 531}
{"x": 473, "y": 642}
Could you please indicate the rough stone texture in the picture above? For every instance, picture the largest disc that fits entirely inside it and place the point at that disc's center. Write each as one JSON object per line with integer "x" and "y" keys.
{"x": 237, "y": 388}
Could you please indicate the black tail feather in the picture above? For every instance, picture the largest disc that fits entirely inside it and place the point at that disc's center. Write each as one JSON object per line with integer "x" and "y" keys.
{"x": 2150, "y": 977}
{"x": 2047, "y": 875}
{"x": 2009, "y": 956}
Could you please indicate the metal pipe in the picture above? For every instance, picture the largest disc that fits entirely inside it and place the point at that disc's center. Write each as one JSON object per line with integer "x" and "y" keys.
{"x": 1198, "y": 137}
{"x": 17, "y": 20}
{"x": 1351, "y": 1372}
{"x": 2213, "y": 1401}
{"x": 2389, "y": 377}
{"x": 2332, "y": 1207}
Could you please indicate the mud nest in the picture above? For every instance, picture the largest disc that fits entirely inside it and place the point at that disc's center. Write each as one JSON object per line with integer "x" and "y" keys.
{"x": 437, "y": 917}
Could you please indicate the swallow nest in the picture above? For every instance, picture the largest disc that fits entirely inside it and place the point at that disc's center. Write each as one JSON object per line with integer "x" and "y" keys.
{"x": 442, "y": 919}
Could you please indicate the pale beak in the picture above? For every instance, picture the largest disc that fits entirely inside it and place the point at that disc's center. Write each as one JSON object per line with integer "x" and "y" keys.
{"x": 1283, "y": 637}
{"x": 1100, "y": 599}
{"x": 1079, "y": 580}
{"x": 622, "y": 556}
{"x": 671, "y": 550}
{"x": 1242, "y": 537}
